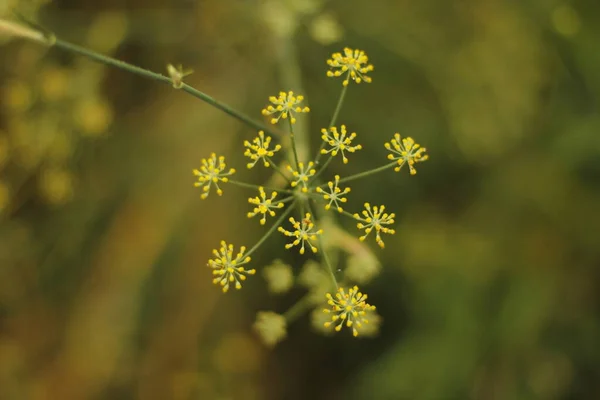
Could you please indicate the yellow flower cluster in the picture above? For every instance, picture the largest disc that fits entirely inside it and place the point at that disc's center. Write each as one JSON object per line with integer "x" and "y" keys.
{"x": 211, "y": 172}
{"x": 375, "y": 218}
{"x": 228, "y": 269}
{"x": 406, "y": 151}
{"x": 264, "y": 205}
{"x": 339, "y": 142}
{"x": 302, "y": 175}
{"x": 353, "y": 63}
{"x": 284, "y": 105}
{"x": 304, "y": 232}
{"x": 259, "y": 150}
{"x": 348, "y": 308}
{"x": 334, "y": 195}
{"x": 348, "y": 305}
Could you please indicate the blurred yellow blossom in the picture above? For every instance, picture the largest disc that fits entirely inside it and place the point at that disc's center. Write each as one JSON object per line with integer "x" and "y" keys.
{"x": 326, "y": 29}
{"x": 279, "y": 277}
{"x": 93, "y": 116}
{"x": 16, "y": 96}
{"x": 107, "y": 30}
{"x": 271, "y": 327}
{"x": 56, "y": 185}
{"x": 54, "y": 83}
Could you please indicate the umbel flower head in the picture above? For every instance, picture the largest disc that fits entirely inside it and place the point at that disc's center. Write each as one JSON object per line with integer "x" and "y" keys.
{"x": 211, "y": 172}
{"x": 302, "y": 175}
{"x": 339, "y": 142}
{"x": 304, "y": 233}
{"x": 259, "y": 150}
{"x": 286, "y": 104}
{"x": 264, "y": 205}
{"x": 228, "y": 269}
{"x": 353, "y": 63}
{"x": 334, "y": 195}
{"x": 348, "y": 308}
{"x": 375, "y": 218}
{"x": 406, "y": 151}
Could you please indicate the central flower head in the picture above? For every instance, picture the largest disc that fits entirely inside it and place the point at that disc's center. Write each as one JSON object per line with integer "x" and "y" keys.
{"x": 286, "y": 104}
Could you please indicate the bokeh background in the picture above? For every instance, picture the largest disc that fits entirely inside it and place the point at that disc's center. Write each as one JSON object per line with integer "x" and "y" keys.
{"x": 490, "y": 288}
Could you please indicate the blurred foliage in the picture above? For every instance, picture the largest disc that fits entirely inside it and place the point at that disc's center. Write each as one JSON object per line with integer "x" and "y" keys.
{"x": 489, "y": 290}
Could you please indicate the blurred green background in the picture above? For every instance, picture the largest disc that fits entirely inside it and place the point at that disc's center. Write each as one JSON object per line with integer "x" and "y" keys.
{"x": 490, "y": 288}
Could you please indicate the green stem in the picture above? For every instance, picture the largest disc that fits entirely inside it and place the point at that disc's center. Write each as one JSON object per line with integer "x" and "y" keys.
{"x": 328, "y": 263}
{"x": 368, "y": 173}
{"x": 287, "y": 199}
{"x": 278, "y": 170}
{"x": 294, "y": 149}
{"x": 304, "y": 304}
{"x": 338, "y": 107}
{"x": 272, "y": 229}
{"x": 346, "y": 213}
{"x": 324, "y": 253}
{"x": 323, "y": 168}
{"x": 72, "y": 48}
{"x": 256, "y": 187}
{"x": 334, "y": 117}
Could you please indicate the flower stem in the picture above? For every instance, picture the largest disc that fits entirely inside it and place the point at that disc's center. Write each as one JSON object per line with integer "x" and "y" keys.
{"x": 304, "y": 304}
{"x": 333, "y": 120}
{"x": 368, "y": 173}
{"x": 272, "y": 228}
{"x": 338, "y": 107}
{"x": 324, "y": 253}
{"x": 294, "y": 149}
{"x": 323, "y": 168}
{"x": 75, "y": 49}
{"x": 277, "y": 169}
{"x": 255, "y": 187}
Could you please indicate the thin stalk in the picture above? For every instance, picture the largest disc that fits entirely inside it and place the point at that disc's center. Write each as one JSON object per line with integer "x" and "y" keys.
{"x": 346, "y": 213}
{"x": 368, "y": 173}
{"x": 294, "y": 149}
{"x": 323, "y": 168}
{"x": 278, "y": 170}
{"x": 287, "y": 199}
{"x": 272, "y": 229}
{"x": 338, "y": 107}
{"x": 303, "y": 305}
{"x": 333, "y": 120}
{"x": 256, "y": 187}
{"x": 324, "y": 253}
{"x": 75, "y": 49}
